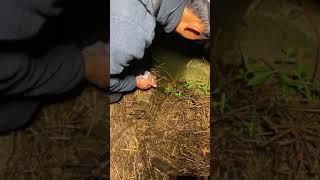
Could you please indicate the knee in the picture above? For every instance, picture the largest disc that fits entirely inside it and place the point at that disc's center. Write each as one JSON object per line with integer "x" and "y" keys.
{"x": 15, "y": 115}
{"x": 11, "y": 66}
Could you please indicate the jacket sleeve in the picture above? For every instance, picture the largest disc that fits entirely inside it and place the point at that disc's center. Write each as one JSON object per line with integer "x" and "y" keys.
{"x": 59, "y": 71}
{"x": 126, "y": 84}
{"x": 129, "y": 36}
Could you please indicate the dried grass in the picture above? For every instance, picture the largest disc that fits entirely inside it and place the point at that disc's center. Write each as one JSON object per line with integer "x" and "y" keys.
{"x": 68, "y": 140}
{"x": 154, "y": 135}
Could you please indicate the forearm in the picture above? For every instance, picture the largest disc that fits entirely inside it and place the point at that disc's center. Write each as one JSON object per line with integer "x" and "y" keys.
{"x": 59, "y": 71}
{"x": 126, "y": 84}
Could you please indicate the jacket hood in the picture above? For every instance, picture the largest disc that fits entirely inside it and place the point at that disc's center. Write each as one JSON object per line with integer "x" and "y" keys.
{"x": 169, "y": 13}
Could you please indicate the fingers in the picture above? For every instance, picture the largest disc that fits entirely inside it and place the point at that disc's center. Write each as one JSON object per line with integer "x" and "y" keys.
{"x": 152, "y": 79}
{"x": 150, "y": 84}
{"x": 153, "y": 83}
{"x": 143, "y": 83}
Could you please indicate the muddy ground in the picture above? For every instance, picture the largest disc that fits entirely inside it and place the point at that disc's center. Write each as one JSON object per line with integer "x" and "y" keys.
{"x": 266, "y": 104}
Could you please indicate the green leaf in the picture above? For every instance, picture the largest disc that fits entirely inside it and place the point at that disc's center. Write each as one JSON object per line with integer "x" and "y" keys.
{"x": 301, "y": 70}
{"x": 222, "y": 102}
{"x": 261, "y": 69}
{"x": 259, "y": 78}
{"x": 289, "y": 52}
{"x": 287, "y": 90}
{"x": 286, "y": 80}
{"x": 306, "y": 91}
{"x": 291, "y": 61}
{"x": 250, "y": 62}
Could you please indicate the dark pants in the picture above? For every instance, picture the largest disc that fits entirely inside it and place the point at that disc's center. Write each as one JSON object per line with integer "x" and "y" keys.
{"x": 115, "y": 97}
{"x": 16, "y": 114}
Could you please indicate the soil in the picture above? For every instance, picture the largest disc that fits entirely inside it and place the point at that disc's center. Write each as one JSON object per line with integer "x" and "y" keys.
{"x": 264, "y": 134}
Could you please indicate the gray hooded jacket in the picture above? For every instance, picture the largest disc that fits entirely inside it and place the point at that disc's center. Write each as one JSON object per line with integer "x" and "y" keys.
{"x": 132, "y": 29}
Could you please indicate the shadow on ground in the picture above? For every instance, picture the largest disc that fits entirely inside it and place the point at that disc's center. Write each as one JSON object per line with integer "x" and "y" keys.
{"x": 266, "y": 107}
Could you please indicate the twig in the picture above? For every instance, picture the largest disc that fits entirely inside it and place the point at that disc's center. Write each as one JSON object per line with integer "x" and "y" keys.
{"x": 277, "y": 137}
{"x": 115, "y": 167}
{"x": 13, "y": 151}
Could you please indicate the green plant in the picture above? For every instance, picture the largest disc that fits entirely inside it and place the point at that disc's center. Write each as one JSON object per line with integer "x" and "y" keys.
{"x": 298, "y": 80}
{"x": 295, "y": 80}
{"x": 260, "y": 76}
{"x": 189, "y": 84}
{"x": 287, "y": 56}
{"x": 172, "y": 91}
{"x": 204, "y": 87}
{"x": 221, "y": 100}
{"x": 221, "y": 104}
{"x": 200, "y": 85}
{"x": 256, "y": 76}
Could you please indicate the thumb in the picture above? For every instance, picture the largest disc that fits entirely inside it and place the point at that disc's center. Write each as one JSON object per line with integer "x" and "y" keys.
{"x": 153, "y": 84}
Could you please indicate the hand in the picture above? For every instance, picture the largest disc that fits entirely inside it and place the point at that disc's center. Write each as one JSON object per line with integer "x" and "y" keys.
{"x": 145, "y": 84}
{"x": 96, "y": 64}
